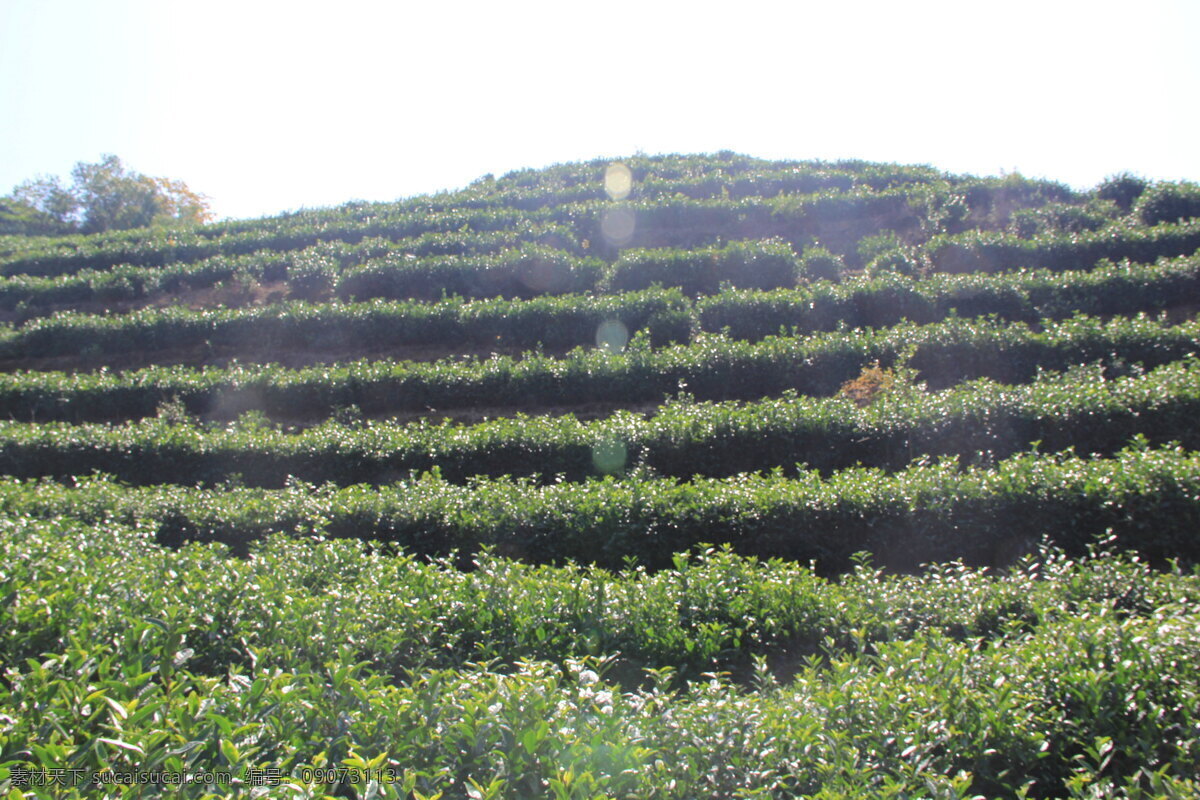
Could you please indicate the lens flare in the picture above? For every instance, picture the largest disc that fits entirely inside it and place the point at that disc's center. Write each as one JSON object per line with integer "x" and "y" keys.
{"x": 609, "y": 455}
{"x": 612, "y": 335}
{"x": 544, "y": 276}
{"x": 617, "y": 224}
{"x": 618, "y": 181}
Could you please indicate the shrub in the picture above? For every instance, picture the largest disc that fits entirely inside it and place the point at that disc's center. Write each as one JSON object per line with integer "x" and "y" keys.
{"x": 896, "y": 262}
{"x": 1058, "y": 218}
{"x": 1168, "y": 202}
{"x": 312, "y": 276}
{"x": 817, "y": 263}
{"x": 672, "y": 326}
{"x": 869, "y": 385}
{"x": 1122, "y": 188}
{"x": 768, "y": 264}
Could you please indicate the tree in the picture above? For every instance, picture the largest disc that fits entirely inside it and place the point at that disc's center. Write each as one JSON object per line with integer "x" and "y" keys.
{"x": 19, "y": 217}
{"x": 47, "y": 196}
{"x": 103, "y": 196}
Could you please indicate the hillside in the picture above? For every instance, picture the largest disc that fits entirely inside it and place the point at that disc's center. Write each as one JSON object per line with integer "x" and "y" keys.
{"x": 613, "y": 480}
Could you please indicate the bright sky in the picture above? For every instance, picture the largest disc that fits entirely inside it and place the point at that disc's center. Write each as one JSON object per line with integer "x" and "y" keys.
{"x": 267, "y": 106}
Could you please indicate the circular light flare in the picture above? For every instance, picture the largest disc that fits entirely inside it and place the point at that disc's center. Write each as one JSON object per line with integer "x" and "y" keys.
{"x": 609, "y": 456}
{"x": 612, "y": 335}
{"x": 544, "y": 276}
{"x": 618, "y": 181}
{"x": 617, "y": 225}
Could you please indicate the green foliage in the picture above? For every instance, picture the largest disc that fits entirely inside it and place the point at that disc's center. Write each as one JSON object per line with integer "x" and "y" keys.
{"x": 1059, "y": 218}
{"x": 155, "y": 247}
{"x": 1123, "y": 189}
{"x": 892, "y": 262}
{"x": 19, "y": 217}
{"x": 106, "y": 196}
{"x": 527, "y": 271}
{"x": 979, "y": 420}
{"x": 308, "y": 272}
{"x": 1051, "y": 677}
{"x": 562, "y": 322}
{"x": 927, "y": 512}
{"x": 673, "y": 326}
{"x": 712, "y": 368}
{"x": 751, "y": 265}
{"x": 1168, "y": 202}
{"x": 976, "y": 251}
{"x": 870, "y": 247}
{"x": 818, "y": 264}
{"x": 407, "y": 600}
{"x": 313, "y": 277}
{"x": 881, "y": 300}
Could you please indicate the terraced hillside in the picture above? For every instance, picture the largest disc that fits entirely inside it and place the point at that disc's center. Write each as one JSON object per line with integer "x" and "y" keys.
{"x": 612, "y": 480}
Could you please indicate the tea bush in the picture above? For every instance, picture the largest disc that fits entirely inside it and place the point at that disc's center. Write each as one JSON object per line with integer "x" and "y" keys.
{"x": 749, "y": 586}
{"x": 926, "y": 512}
{"x": 711, "y": 368}
{"x": 240, "y": 666}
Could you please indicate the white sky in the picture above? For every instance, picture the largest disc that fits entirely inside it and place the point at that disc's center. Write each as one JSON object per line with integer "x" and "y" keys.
{"x": 269, "y": 106}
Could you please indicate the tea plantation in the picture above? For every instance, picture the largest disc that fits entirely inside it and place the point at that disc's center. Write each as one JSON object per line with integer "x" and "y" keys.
{"x": 677, "y": 477}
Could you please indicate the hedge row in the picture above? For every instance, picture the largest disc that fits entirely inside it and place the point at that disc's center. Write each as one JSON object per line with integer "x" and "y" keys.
{"x": 376, "y": 268}
{"x": 746, "y": 265}
{"x": 301, "y": 268}
{"x": 1148, "y": 498}
{"x": 525, "y": 271}
{"x": 556, "y": 322}
{"x": 482, "y": 265}
{"x": 672, "y": 221}
{"x": 713, "y": 610}
{"x": 676, "y": 222}
{"x": 711, "y": 368}
{"x": 1061, "y": 679}
{"x": 979, "y": 421}
{"x": 163, "y": 247}
{"x": 978, "y": 251}
{"x": 880, "y": 301}
{"x": 652, "y": 183}
{"x": 840, "y": 219}
{"x": 528, "y": 271}
{"x": 579, "y": 185}
{"x": 1109, "y": 288}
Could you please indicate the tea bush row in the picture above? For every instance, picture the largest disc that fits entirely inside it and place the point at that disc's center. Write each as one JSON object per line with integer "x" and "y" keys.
{"x": 1109, "y": 288}
{"x": 925, "y": 512}
{"x": 980, "y": 421}
{"x": 54, "y": 255}
{"x": 676, "y": 221}
{"x": 783, "y": 202}
{"x": 525, "y": 271}
{"x": 750, "y": 265}
{"x": 311, "y": 267}
{"x": 530, "y": 271}
{"x": 710, "y": 609}
{"x": 188, "y": 661}
{"x": 164, "y": 247}
{"x": 721, "y": 216}
{"x": 710, "y": 368}
{"x": 977, "y": 251}
{"x": 485, "y": 265}
{"x": 561, "y": 322}
{"x": 701, "y": 177}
